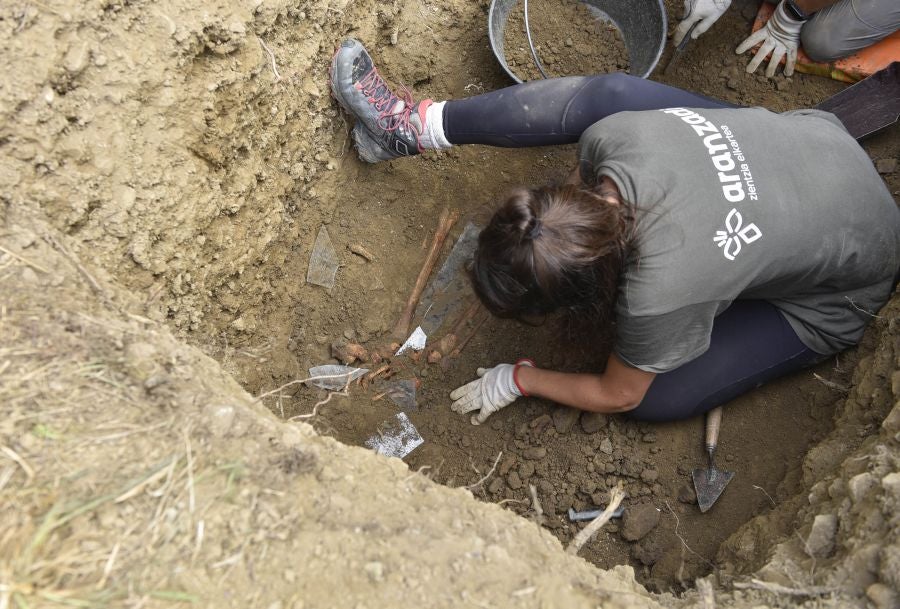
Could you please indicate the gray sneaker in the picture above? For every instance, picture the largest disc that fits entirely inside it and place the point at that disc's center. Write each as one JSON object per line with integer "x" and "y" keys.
{"x": 388, "y": 126}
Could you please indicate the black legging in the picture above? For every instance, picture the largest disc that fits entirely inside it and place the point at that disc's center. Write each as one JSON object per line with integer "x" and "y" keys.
{"x": 751, "y": 342}
{"x": 557, "y": 110}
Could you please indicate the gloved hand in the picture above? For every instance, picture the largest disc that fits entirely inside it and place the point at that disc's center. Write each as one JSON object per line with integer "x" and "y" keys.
{"x": 780, "y": 36}
{"x": 494, "y": 389}
{"x": 706, "y": 12}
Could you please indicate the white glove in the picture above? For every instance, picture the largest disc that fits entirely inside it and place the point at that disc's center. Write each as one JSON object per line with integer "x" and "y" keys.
{"x": 494, "y": 389}
{"x": 706, "y": 12}
{"x": 780, "y": 36}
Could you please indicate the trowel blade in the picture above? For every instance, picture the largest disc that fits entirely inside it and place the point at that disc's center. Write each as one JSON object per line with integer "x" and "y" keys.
{"x": 709, "y": 482}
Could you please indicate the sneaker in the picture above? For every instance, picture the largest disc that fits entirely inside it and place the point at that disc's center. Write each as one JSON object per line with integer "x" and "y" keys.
{"x": 388, "y": 125}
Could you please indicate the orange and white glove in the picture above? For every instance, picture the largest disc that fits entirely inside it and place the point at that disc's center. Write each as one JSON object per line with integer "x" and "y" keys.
{"x": 495, "y": 388}
{"x": 780, "y": 37}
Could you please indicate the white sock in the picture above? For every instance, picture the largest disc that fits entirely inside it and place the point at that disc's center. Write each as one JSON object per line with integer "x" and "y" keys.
{"x": 433, "y": 134}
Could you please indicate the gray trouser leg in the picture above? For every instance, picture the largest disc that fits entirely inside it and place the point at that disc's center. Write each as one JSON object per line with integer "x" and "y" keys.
{"x": 848, "y": 26}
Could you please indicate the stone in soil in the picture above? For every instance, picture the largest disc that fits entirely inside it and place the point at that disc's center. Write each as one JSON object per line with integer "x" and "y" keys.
{"x": 592, "y": 422}
{"x": 649, "y": 476}
{"x": 647, "y": 551}
{"x": 606, "y": 446}
{"x": 564, "y": 419}
{"x": 495, "y": 486}
{"x": 639, "y": 520}
{"x": 886, "y": 166}
{"x": 514, "y": 481}
{"x": 820, "y": 543}
{"x": 687, "y": 495}
{"x": 535, "y": 453}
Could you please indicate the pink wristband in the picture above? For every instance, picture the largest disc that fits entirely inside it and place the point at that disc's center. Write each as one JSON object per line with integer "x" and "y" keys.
{"x": 521, "y": 362}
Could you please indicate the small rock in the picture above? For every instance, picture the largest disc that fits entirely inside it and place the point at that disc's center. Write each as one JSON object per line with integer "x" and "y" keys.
{"x": 649, "y": 438}
{"x": 592, "y": 422}
{"x": 639, "y": 520}
{"x": 733, "y": 84}
{"x": 820, "y": 543}
{"x": 541, "y": 424}
{"x": 649, "y": 476}
{"x": 219, "y": 417}
{"x": 507, "y": 464}
{"x": 375, "y": 571}
{"x": 891, "y": 485}
{"x": 859, "y": 486}
{"x": 647, "y": 552}
{"x": 569, "y": 42}
{"x": 687, "y": 495}
{"x": 606, "y": 446}
{"x": 882, "y": 596}
{"x": 886, "y": 166}
{"x": 495, "y": 486}
{"x": 564, "y": 419}
{"x": 526, "y": 469}
{"x": 783, "y": 85}
{"x": 535, "y": 453}
{"x": 513, "y": 480}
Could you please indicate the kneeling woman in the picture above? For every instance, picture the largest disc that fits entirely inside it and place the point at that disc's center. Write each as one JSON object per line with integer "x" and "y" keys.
{"x": 737, "y": 245}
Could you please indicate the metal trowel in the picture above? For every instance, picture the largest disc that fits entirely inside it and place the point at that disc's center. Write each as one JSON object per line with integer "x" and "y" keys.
{"x": 709, "y": 481}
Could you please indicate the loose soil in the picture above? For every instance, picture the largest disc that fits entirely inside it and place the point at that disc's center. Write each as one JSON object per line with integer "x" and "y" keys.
{"x": 569, "y": 40}
{"x": 176, "y": 156}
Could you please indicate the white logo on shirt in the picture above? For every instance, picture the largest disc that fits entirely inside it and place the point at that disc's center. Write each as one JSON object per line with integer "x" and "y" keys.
{"x": 730, "y": 239}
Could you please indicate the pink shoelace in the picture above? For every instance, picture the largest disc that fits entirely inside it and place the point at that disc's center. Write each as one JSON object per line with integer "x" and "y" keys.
{"x": 382, "y": 99}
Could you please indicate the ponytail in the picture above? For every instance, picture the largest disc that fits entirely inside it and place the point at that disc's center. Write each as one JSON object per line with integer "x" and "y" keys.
{"x": 555, "y": 247}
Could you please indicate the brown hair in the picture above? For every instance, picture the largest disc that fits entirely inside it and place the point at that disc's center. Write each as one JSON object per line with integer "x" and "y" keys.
{"x": 551, "y": 248}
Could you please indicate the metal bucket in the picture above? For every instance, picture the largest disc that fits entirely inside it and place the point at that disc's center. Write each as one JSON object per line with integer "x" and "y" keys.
{"x": 641, "y": 22}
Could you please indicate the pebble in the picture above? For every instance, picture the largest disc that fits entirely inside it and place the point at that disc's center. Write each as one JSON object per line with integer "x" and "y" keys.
{"x": 606, "y": 446}
{"x": 219, "y": 418}
{"x": 375, "y": 571}
{"x": 649, "y": 438}
{"x": 507, "y": 464}
{"x": 545, "y": 486}
{"x": 820, "y": 543}
{"x": 882, "y": 596}
{"x": 639, "y": 520}
{"x": 647, "y": 552}
{"x": 886, "y": 166}
{"x": 526, "y": 469}
{"x": 733, "y": 84}
{"x": 514, "y": 481}
{"x": 564, "y": 419}
{"x": 687, "y": 495}
{"x": 495, "y": 486}
{"x": 649, "y": 476}
{"x": 592, "y": 422}
{"x": 535, "y": 453}
{"x": 860, "y": 485}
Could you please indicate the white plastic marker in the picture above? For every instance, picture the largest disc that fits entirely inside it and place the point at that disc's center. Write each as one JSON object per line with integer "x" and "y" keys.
{"x": 416, "y": 341}
{"x": 397, "y": 437}
{"x": 341, "y": 376}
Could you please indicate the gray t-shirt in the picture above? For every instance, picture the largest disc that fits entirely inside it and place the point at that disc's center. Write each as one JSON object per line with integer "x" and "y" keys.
{"x": 743, "y": 203}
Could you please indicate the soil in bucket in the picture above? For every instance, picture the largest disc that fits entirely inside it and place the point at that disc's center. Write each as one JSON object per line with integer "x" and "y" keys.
{"x": 568, "y": 37}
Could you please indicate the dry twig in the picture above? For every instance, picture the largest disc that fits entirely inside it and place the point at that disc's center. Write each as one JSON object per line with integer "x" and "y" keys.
{"x": 487, "y": 475}
{"x": 758, "y": 584}
{"x": 615, "y": 498}
{"x": 272, "y": 57}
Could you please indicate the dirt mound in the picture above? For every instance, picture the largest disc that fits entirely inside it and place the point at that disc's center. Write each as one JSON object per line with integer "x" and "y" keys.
{"x": 178, "y": 161}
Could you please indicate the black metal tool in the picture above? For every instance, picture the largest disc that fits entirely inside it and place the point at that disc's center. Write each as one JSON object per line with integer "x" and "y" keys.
{"x": 680, "y": 48}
